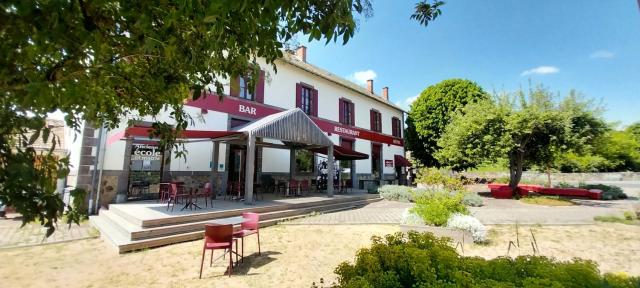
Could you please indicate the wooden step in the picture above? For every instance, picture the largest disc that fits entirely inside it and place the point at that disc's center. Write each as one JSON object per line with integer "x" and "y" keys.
{"x": 203, "y": 216}
{"x": 153, "y": 232}
{"x": 125, "y": 236}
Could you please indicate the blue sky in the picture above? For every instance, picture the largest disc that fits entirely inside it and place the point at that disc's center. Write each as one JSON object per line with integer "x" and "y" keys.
{"x": 591, "y": 46}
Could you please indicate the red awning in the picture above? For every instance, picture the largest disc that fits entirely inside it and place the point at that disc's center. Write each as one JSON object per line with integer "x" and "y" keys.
{"x": 200, "y": 134}
{"x": 342, "y": 153}
{"x": 401, "y": 161}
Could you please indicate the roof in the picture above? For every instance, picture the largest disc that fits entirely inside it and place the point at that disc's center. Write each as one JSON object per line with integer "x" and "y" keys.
{"x": 288, "y": 58}
{"x": 292, "y": 125}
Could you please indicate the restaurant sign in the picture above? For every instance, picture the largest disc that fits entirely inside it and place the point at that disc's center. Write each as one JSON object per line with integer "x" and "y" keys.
{"x": 250, "y": 109}
{"x": 388, "y": 163}
{"x": 145, "y": 152}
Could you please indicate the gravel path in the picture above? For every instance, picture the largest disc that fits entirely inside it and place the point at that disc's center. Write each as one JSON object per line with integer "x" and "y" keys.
{"x": 381, "y": 212}
{"x": 32, "y": 234}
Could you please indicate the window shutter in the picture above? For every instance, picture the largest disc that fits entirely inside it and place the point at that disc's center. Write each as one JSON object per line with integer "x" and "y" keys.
{"x": 260, "y": 88}
{"x": 393, "y": 126}
{"x": 353, "y": 114}
{"x": 314, "y": 102}
{"x": 298, "y": 95}
{"x": 234, "y": 86}
{"x": 372, "y": 115}
{"x": 341, "y": 117}
{"x": 379, "y": 123}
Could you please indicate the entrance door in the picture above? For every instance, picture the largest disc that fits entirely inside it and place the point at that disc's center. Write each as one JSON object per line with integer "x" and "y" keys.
{"x": 237, "y": 164}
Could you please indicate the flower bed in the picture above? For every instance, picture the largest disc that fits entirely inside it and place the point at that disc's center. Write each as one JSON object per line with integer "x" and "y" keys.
{"x": 503, "y": 191}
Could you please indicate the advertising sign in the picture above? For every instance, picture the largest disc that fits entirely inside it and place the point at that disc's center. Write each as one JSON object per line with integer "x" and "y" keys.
{"x": 145, "y": 152}
{"x": 388, "y": 163}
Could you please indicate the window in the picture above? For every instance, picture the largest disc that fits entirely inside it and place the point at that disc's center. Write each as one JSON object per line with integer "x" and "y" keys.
{"x": 346, "y": 165}
{"x": 396, "y": 127}
{"x": 245, "y": 90}
{"x": 376, "y": 121}
{"x": 346, "y": 111}
{"x": 241, "y": 88}
{"x": 307, "y": 99}
{"x": 304, "y": 161}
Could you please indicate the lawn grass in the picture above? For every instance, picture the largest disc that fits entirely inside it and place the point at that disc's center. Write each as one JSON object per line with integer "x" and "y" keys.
{"x": 547, "y": 201}
{"x": 629, "y": 218}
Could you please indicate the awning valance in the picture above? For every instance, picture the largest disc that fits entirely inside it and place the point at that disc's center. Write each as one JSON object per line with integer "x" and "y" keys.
{"x": 187, "y": 134}
{"x": 401, "y": 161}
{"x": 342, "y": 153}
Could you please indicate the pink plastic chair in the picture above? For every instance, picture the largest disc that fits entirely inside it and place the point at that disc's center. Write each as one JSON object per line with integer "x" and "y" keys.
{"x": 250, "y": 226}
{"x": 218, "y": 237}
{"x": 206, "y": 194}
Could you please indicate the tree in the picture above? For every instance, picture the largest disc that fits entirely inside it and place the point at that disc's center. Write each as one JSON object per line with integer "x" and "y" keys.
{"x": 102, "y": 61}
{"x": 528, "y": 130}
{"x": 431, "y": 112}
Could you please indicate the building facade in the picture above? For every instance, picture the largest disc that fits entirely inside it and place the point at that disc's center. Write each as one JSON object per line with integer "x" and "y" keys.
{"x": 352, "y": 116}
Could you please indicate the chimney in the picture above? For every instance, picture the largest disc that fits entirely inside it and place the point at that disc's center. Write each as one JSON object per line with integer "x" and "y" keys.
{"x": 370, "y": 85}
{"x": 385, "y": 93}
{"x": 301, "y": 53}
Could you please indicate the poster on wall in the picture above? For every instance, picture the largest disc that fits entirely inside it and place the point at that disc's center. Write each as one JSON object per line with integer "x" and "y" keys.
{"x": 145, "y": 152}
{"x": 388, "y": 163}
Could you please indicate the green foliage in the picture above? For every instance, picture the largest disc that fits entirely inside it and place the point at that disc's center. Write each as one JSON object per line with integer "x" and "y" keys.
{"x": 104, "y": 61}
{"x": 617, "y": 219}
{"x": 531, "y": 129}
{"x": 395, "y": 193}
{"x": 439, "y": 178}
{"x": 423, "y": 260}
{"x": 609, "y": 192}
{"x": 435, "y": 208}
{"x": 629, "y": 215}
{"x": 432, "y": 110}
{"x": 472, "y": 199}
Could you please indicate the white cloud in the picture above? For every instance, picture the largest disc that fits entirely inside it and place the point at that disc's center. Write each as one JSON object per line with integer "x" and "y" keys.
{"x": 361, "y": 77}
{"x": 602, "y": 54}
{"x": 410, "y": 100}
{"x": 540, "y": 70}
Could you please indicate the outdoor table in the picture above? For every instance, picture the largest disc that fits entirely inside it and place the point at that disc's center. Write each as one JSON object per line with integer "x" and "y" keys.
{"x": 233, "y": 221}
{"x": 189, "y": 203}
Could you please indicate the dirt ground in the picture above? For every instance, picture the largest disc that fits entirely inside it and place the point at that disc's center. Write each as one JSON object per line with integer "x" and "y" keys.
{"x": 292, "y": 256}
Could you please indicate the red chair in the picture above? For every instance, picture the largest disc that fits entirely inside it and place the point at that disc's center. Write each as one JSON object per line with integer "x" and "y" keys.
{"x": 304, "y": 187}
{"x": 218, "y": 237}
{"x": 206, "y": 194}
{"x": 175, "y": 193}
{"x": 164, "y": 191}
{"x": 250, "y": 226}
{"x": 293, "y": 187}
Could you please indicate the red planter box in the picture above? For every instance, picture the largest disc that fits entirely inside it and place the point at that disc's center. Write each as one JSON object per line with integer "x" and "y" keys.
{"x": 503, "y": 191}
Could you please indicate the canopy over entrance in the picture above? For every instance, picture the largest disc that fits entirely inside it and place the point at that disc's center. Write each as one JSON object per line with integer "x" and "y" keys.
{"x": 342, "y": 153}
{"x": 294, "y": 128}
{"x": 401, "y": 161}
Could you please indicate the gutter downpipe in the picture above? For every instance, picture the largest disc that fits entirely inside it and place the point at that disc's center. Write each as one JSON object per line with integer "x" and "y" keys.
{"x": 101, "y": 155}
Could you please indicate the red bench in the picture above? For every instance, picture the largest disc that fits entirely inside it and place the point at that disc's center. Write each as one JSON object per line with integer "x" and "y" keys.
{"x": 503, "y": 191}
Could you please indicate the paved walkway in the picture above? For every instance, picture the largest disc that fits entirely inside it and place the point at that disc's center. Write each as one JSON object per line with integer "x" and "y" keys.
{"x": 12, "y": 235}
{"x": 495, "y": 211}
{"x": 509, "y": 211}
{"x": 381, "y": 212}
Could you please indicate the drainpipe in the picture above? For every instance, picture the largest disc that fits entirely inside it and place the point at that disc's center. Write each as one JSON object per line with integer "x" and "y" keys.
{"x": 101, "y": 153}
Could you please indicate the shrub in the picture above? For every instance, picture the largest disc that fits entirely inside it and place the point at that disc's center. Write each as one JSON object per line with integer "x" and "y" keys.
{"x": 469, "y": 223}
{"x": 395, "y": 193}
{"x": 411, "y": 218}
{"x": 472, "y": 199}
{"x": 609, "y": 192}
{"x": 629, "y": 215}
{"x": 438, "y": 178}
{"x": 435, "y": 208}
{"x": 423, "y": 260}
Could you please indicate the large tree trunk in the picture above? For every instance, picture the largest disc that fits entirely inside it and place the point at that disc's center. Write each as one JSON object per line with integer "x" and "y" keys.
{"x": 516, "y": 159}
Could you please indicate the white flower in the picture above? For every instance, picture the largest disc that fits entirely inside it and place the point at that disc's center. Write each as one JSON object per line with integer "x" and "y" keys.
{"x": 468, "y": 223}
